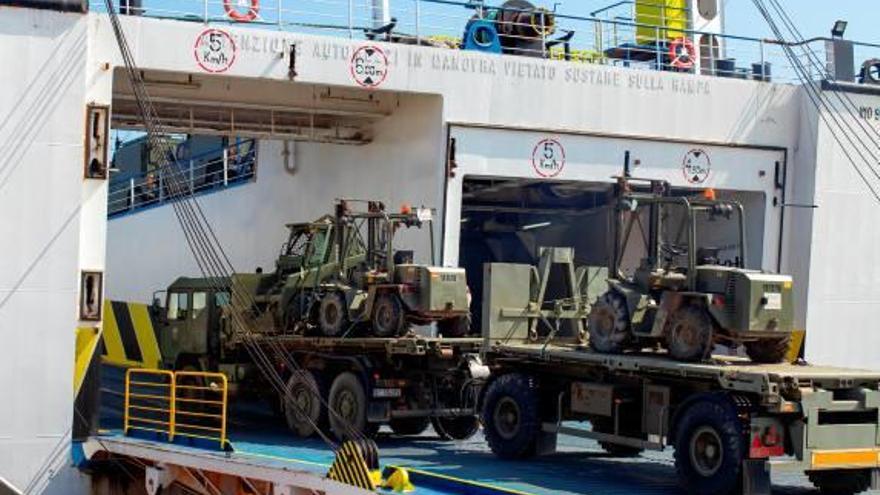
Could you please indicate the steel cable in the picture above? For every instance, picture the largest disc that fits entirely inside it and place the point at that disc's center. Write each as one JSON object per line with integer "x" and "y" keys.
{"x": 209, "y": 255}
{"x": 816, "y": 98}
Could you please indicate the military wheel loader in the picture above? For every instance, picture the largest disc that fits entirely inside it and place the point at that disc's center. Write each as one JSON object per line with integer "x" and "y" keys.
{"x": 386, "y": 292}
{"x": 686, "y": 295}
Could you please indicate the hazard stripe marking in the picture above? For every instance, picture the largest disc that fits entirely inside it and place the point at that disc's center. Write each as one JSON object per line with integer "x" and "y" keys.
{"x": 146, "y": 335}
{"x": 126, "y": 332}
{"x": 350, "y": 467}
{"x": 112, "y": 342}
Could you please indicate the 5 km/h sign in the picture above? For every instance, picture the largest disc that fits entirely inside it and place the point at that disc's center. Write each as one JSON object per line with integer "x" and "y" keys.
{"x": 548, "y": 158}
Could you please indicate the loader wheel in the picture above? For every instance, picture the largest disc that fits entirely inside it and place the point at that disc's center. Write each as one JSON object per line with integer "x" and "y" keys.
{"x": 841, "y": 482}
{"x": 333, "y": 314}
{"x": 348, "y": 404}
{"x": 511, "y": 416}
{"x": 689, "y": 334}
{"x": 389, "y": 319}
{"x": 297, "y": 315}
{"x": 608, "y": 324}
{"x": 409, "y": 426}
{"x": 303, "y": 410}
{"x": 454, "y": 327}
{"x": 709, "y": 448}
{"x": 456, "y": 428}
{"x": 768, "y": 350}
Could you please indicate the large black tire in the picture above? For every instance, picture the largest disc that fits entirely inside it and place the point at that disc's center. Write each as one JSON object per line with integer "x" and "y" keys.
{"x": 456, "y": 428}
{"x": 348, "y": 401}
{"x": 454, "y": 327}
{"x": 333, "y": 314}
{"x": 389, "y": 319}
{"x": 840, "y": 482}
{"x": 606, "y": 425}
{"x": 306, "y": 412}
{"x": 710, "y": 447}
{"x": 609, "y": 325}
{"x": 409, "y": 426}
{"x": 511, "y": 416}
{"x": 769, "y": 350}
{"x": 689, "y": 334}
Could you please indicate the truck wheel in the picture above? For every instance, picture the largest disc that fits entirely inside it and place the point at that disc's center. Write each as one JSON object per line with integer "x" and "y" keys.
{"x": 511, "y": 416}
{"x": 409, "y": 426}
{"x": 841, "y": 482}
{"x": 454, "y": 327}
{"x": 348, "y": 403}
{"x": 608, "y": 324}
{"x": 389, "y": 319}
{"x": 768, "y": 350}
{"x": 689, "y": 334}
{"x": 456, "y": 428}
{"x": 709, "y": 448}
{"x": 303, "y": 410}
{"x": 333, "y": 314}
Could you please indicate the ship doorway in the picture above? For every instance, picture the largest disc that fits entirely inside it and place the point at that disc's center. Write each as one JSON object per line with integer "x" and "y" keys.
{"x": 509, "y": 219}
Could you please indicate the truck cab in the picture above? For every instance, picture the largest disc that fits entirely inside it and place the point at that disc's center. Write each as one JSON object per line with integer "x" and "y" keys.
{"x": 187, "y": 324}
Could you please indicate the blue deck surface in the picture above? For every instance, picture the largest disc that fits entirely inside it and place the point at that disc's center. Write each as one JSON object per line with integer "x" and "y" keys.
{"x": 581, "y": 467}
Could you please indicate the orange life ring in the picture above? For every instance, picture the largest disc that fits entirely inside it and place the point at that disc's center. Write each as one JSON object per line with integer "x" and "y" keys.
{"x": 682, "y": 53}
{"x": 237, "y": 16}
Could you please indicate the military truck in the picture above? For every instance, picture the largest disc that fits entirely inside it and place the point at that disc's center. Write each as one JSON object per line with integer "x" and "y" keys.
{"x": 376, "y": 290}
{"x": 685, "y": 294}
{"x": 729, "y": 420}
{"x": 398, "y": 378}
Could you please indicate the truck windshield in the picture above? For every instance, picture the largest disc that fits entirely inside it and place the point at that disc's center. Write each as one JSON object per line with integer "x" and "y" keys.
{"x": 178, "y": 305}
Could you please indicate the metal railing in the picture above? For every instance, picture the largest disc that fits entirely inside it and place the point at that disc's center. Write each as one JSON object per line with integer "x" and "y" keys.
{"x": 610, "y": 39}
{"x": 173, "y": 405}
{"x": 206, "y": 172}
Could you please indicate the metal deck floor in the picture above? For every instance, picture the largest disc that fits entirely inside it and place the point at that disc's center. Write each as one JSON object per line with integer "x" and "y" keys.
{"x": 581, "y": 467}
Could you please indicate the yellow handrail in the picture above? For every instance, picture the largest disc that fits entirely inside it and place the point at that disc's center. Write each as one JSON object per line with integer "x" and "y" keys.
{"x": 152, "y": 385}
{"x": 156, "y": 399}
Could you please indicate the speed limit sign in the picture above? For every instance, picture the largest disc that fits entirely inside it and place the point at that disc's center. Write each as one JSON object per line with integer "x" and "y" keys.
{"x": 548, "y": 158}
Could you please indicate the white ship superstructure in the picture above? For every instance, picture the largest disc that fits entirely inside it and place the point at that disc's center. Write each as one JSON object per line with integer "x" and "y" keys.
{"x": 505, "y": 147}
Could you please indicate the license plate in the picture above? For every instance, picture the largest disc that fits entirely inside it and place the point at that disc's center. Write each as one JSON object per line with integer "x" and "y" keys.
{"x": 386, "y": 393}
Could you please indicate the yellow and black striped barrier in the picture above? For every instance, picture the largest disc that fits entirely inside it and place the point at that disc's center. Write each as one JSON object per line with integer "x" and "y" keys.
{"x": 357, "y": 464}
{"x": 129, "y": 336}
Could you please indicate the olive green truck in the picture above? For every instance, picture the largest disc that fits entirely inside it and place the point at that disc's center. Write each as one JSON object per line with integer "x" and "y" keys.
{"x": 729, "y": 420}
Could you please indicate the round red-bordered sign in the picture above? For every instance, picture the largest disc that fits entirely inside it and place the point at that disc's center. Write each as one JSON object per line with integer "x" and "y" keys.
{"x": 215, "y": 50}
{"x": 548, "y": 158}
{"x": 369, "y": 66}
{"x": 696, "y": 166}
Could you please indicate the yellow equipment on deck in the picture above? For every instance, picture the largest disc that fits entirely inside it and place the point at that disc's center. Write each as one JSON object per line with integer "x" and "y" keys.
{"x": 660, "y": 20}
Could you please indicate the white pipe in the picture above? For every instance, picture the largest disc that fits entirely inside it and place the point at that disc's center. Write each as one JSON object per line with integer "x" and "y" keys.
{"x": 381, "y": 13}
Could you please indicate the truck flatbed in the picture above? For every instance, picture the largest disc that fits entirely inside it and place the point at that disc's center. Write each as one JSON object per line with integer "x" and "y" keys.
{"x": 820, "y": 420}
{"x": 731, "y": 373}
{"x": 413, "y": 345}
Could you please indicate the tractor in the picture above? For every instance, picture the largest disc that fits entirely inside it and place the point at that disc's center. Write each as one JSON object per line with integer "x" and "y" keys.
{"x": 686, "y": 295}
{"x": 386, "y": 292}
{"x": 375, "y": 289}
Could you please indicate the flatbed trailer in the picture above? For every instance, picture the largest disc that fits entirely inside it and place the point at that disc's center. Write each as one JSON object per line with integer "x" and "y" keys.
{"x": 407, "y": 382}
{"x": 728, "y": 420}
